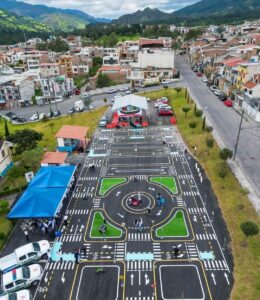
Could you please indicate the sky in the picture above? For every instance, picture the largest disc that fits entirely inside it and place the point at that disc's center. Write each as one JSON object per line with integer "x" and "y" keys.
{"x": 114, "y": 8}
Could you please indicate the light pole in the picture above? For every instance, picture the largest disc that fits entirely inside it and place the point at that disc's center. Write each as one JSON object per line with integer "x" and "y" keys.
{"x": 238, "y": 135}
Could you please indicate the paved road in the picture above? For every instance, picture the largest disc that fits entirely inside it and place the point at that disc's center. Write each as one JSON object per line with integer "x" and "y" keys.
{"x": 225, "y": 121}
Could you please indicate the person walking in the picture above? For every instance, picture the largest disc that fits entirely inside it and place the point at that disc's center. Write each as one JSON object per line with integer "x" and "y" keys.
{"x": 84, "y": 250}
{"x": 59, "y": 253}
{"x": 140, "y": 224}
{"x": 136, "y": 222}
{"x": 176, "y": 251}
{"x": 76, "y": 256}
{"x": 149, "y": 210}
{"x": 26, "y": 234}
{"x": 65, "y": 220}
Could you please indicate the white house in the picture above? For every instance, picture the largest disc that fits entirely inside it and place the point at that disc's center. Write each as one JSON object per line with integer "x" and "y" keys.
{"x": 5, "y": 157}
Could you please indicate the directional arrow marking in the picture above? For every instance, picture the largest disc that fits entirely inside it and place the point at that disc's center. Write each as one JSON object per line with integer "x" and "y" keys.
{"x": 107, "y": 247}
{"x": 195, "y": 219}
{"x": 147, "y": 280}
{"x": 63, "y": 277}
{"x": 132, "y": 278}
{"x": 226, "y": 276}
{"x": 120, "y": 215}
{"x": 213, "y": 278}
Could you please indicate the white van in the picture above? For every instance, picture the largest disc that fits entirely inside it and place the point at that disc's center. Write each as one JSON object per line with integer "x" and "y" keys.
{"x": 79, "y": 105}
{"x": 19, "y": 295}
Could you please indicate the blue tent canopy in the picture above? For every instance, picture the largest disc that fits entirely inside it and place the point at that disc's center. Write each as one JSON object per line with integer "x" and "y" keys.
{"x": 44, "y": 194}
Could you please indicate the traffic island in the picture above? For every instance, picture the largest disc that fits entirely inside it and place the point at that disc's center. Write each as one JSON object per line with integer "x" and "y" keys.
{"x": 100, "y": 227}
{"x": 175, "y": 227}
{"x": 107, "y": 184}
{"x": 169, "y": 183}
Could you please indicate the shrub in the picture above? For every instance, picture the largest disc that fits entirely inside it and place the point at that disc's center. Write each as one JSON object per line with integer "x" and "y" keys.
{"x": 179, "y": 89}
{"x": 225, "y": 153}
{"x": 210, "y": 143}
{"x": 198, "y": 113}
{"x": 222, "y": 170}
{"x": 209, "y": 129}
{"x": 192, "y": 125}
{"x": 186, "y": 109}
{"x": 2, "y": 236}
{"x": 4, "y": 207}
{"x": 249, "y": 228}
{"x": 45, "y": 118}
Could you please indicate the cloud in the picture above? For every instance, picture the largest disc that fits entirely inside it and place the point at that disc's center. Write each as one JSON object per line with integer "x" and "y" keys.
{"x": 114, "y": 8}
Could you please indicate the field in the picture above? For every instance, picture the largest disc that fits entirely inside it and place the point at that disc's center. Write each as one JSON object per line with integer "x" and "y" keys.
{"x": 232, "y": 198}
{"x": 109, "y": 183}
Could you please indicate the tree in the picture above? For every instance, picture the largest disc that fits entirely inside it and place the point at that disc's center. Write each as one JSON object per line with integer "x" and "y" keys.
{"x": 51, "y": 125}
{"x": 249, "y": 228}
{"x": 222, "y": 170}
{"x": 103, "y": 80}
{"x": 209, "y": 129}
{"x": 7, "y": 133}
{"x": 225, "y": 153}
{"x": 51, "y": 112}
{"x": 186, "y": 109}
{"x": 195, "y": 108}
{"x": 209, "y": 143}
{"x": 198, "y": 113}
{"x": 105, "y": 101}
{"x": 192, "y": 125}
{"x": 204, "y": 123}
{"x": 179, "y": 90}
{"x": 165, "y": 87}
{"x": 25, "y": 139}
{"x": 87, "y": 102}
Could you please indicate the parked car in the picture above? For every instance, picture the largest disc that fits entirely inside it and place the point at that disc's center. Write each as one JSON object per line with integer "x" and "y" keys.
{"x": 228, "y": 103}
{"x": 19, "y": 295}
{"x": 111, "y": 91}
{"x": 34, "y": 117}
{"x": 199, "y": 74}
{"x": 166, "y": 81}
{"x": 165, "y": 112}
{"x": 56, "y": 113}
{"x": 21, "y": 119}
{"x": 11, "y": 115}
{"x": 204, "y": 79}
{"x": 71, "y": 111}
{"x": 90, "y": 107}
{"x": 213, "y": 88}
{"x": 24, "y": 255}
{"x": 84, "y": 96}
{"x": 217, "y": 92}
{"x": 124, "y": 89}
{"x": 21, "y": 278}
{"x": 164, "y": 106}
{"x": 222, "y": 97}
{"x": 103, "y": 122}
{"x": 77, "y": 92}
{"x": 87, "y": 89}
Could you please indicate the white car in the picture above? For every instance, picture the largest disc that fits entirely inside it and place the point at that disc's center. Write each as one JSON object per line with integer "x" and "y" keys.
{"x": 103, "y": 122}
{"x": 21, "y": 278}
{"x": 166, "y": 81}
{"x": 34, "y": 117}
{"x": 124, "y": 89}
{"x": 19, "y": 295}
{"x": 204, "y": 79}
{"x": 84, "y": 96}
{"x": 24, "y": 255}
{"x": 217, "y": 92}
{"x": 213, "y": 88}
{"x": 164, "y": 106}
{"x": 41, "y": 116}
{"x": 112, "y": 91}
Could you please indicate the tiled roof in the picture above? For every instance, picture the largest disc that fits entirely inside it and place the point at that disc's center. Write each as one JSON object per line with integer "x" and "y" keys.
{"x": 72, "y": 132}
{"x": 54, "y": 157}
{"x": 249, "y": 85}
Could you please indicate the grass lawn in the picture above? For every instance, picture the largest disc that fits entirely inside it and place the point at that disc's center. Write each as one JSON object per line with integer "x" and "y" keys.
{"x": 111, "y": 231}
{"x": 5, "y": 227}
{"x": 109, "y": 183}
{"x": 168, "y": 182}
{"x": 232, "y": 198}
{"x": 175, "y": 227}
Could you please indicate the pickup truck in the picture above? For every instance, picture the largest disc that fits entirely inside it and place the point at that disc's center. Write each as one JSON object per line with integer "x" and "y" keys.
{"x": 24, "y": 255}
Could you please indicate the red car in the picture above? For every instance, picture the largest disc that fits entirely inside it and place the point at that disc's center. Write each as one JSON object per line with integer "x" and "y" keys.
{"x": 199, "y": 74}
{"x": 77, "y": 91}
{"x": 165, "y": 112}
{"x": 228, "y": 103}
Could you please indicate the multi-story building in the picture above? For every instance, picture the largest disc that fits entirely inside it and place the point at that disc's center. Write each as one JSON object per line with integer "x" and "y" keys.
{"x": 51, "y": 70}
{"x": 111, "y": 59}
{"x": 66, "y": 62}
{"x": 35, "y": 58}
{"x": 246, "y": 71}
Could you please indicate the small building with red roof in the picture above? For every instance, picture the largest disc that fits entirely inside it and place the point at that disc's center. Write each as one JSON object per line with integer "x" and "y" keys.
{"x": 71, "y": 138}
{"x": 54, "y": 159}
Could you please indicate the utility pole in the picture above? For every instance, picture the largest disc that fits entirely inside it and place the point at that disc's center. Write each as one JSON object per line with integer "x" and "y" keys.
{"x": 238, "y": 135}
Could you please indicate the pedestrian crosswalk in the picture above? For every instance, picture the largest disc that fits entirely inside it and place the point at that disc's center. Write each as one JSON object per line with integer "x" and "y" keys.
{"x": 77, "y": 211}
{"x": 139, "y": 237}
{"x": 196, "y": 210}
{"x": 70, "y": 238}
{"x": 180, "y": 201}
{"x": 140, "y": 298}
{"x": 206, "y": 236}
{"x": 142, "y": 265}
{"x": 191, "y": 193}
{"x": 120, "y": 251}
{"x": 192, "y": 250}
{"x": 97, "y": 162}
{"x": 88, "y": 178}
{"x": 96, "y": 203}
{"x": 215, "y": 265}
{"x": 139, "y": 177}
{"x": 157, "y": 254}
{"x": 61, "y": 265}
{"x": 185, "y": 176}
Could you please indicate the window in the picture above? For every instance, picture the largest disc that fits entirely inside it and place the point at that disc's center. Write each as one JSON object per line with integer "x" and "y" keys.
{"x": 9, "y": 286}
{"x": 3, "y": 153}
{"x": 32, "y": 254}
{"x": 250, "y": 92}
{"x": 36, "y": 247}
{"x": 19, "y": 282}
{"x": 26, "y": 272}
{"x": 22, "y": 257}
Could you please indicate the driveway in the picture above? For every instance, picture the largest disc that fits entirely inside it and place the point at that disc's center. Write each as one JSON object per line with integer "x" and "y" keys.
{"x": 225, "y": 122}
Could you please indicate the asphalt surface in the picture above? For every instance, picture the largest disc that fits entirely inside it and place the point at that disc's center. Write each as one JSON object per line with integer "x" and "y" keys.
{"x": 139, "y": 265}
{"x": 225, "y": 121}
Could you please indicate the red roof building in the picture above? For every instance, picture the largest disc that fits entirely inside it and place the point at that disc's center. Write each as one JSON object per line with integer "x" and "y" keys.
{"x": 54, "y": 158}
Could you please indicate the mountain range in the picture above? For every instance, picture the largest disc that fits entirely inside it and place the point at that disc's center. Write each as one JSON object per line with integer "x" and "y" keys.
{"x": 59, "y": 19}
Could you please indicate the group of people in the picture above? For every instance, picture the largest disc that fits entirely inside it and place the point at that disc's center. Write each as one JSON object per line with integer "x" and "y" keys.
{"x": 160, "y": 200}
{"x": 78, "y": 252}
{"x": 139, "y": 225}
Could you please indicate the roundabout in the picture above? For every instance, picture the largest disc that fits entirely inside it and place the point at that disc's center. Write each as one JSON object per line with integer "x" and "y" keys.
{"x": 138, "y": 202}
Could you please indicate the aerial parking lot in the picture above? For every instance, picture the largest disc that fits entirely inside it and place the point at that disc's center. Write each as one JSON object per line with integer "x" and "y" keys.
{"x": 140, "y": 225}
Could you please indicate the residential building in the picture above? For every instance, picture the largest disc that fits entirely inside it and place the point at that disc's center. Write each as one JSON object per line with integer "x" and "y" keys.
{"x": 246, "y": 70}
{"x": 66, "y": 62}
{"x": 5, "y": 157}
{"x": 111, "y": 59}
{"x": 54, "y": 159}
{"x": 35, "y": 58}
{"x": 51, "y": 70}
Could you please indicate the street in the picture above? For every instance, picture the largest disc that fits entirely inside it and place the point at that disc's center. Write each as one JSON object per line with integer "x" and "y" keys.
{"x": 225, "y": 122}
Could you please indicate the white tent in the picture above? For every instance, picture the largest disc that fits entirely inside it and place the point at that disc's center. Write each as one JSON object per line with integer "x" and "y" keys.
{"x": 132, "y": 100}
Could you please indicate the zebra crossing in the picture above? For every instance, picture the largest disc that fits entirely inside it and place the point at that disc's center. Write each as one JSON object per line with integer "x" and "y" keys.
{"x": 197, "y": 210}
{"x": 140, "y": 298}
{"x": 215, "y": 265}
{"x": 139, "y": 177}
{"x": 70, "y": 238}
{"x": 139, "y": 237}
{"x": 206, "y": 236}
{"x": 192, "y": 250}
{"x": 60, "y": 265}
{"x": 191, "y": 193}
{"x": 120, "y": 251}
{"x": 157, "y": 254}
{"x": 142, "y": 265}
{"x": 77, "y": 211}
{"x": 180, "y": 201}
{"x": 88, "y": 178}
{"x": 96, "y": 203}
{"x": 97, "y": 162}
